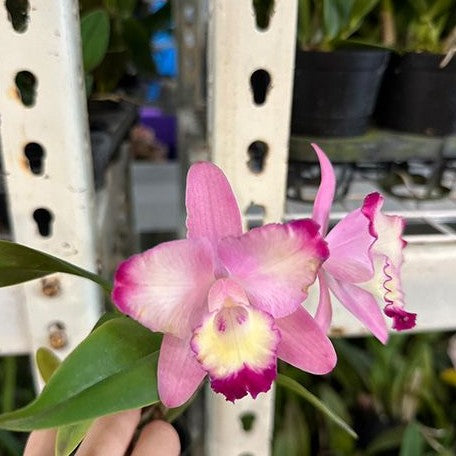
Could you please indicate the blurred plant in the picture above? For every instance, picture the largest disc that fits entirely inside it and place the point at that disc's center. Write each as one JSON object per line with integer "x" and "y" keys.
{"x": 397, "y": 398}
{"x": 326, "y": 24}
{"x": 16, "y": 389}
{"x": 420, "y": 25}
{"x": 116, "y": 38}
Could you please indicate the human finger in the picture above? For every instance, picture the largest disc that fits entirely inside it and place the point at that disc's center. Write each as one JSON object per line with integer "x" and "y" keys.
{"x": 158, "y": 438}
{"x": 110, "y": 435}
{"x": 41, "y": 443}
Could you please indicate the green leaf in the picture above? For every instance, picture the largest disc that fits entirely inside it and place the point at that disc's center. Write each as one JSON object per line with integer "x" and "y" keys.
{"x": 113, "y": 369}
{"x": 19, "y": 263}
{"x": 88, "y": 78}
{"x": 293, "y": 438}
{"x": 388, "y": 440}
{"x": 137, "y": 40}
{"x": 337, "y": 403}
{"x": 440, "y": 7}
{"x": 70, "y": 436}
{"x": 361, "y": 8}
{"x": 47, "y": 363}
{"x": 335, "y": 17}
{"x": 95, "y": 30}
{"x": 304, "y": 20}
{"x": 412, "y": 442}
{"x": 298, "y": 389}
{"x": 10, "y": 445}
{"x": 106, "y": 317}
{"x": 111, "y": 70}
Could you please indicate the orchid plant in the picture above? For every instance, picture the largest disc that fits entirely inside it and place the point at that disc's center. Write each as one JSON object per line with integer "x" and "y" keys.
{"x": 229, "y": 305}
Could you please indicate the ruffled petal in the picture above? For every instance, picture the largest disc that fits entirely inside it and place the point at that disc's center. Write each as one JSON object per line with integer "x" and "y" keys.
{"x": 388, "y": 258}
{"x": 304, "y": 344}
{"x": 401, "y": 319}
{"x": 275, "y": 264}
{"x": 165, "y": 288}
{"x": 350, "y": 242}
{"x": 362, "y": 305}
{"x": 323, "y": 315}
{"x": 237, "y": 347}
{"x": 212, "y": 209}
{"x": 325, "y": 194}
{"x": 387, "y": 229}
{"x": 179, "y": 373}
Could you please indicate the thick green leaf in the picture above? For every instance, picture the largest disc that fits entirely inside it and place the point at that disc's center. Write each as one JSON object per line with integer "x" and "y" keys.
{"x": 113, "y": 369}
{"x": 47, "y": 363}
{"x": 412, "y": 442}
{"x": 19, "y": 263}
{"x": 95, "y": 30}
{"x": 298, "y": 389}
{"x": 70, "y": 436}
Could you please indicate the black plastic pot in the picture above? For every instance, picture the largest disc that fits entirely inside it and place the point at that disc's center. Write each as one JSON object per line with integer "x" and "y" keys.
{"x": 335, "y": 92}
{"x": 417, "y": 96}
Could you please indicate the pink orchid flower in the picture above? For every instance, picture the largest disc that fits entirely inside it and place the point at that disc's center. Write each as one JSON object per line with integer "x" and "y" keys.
{"x": 229, "y": 304}
{"x": 364, "y": 267}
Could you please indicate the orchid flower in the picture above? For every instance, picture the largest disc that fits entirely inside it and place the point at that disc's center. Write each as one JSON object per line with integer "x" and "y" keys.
{"x": 364, "y": 267}
{"x": 229, "y": 304}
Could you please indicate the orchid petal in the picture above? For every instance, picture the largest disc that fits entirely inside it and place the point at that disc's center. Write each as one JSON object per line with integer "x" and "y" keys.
{"x": 179, "y": 373}
{"x": 275, "y": 264}
{"x": 165, "y": 288}
{"x": 226, "y": 292}
{"x": 237, "y": 347}
{"x": 349, "y": 243}
{"x": 212, "y": 210}
{"x": 362, "y": 305}
{"x": 388, "y": 259}
{"x": 325, "y": 194}
{"x": 387, "y": 229}
{"x": 324, "y": 310}
{"x": 304, "y": 344}
{"x": 401, "y": 319}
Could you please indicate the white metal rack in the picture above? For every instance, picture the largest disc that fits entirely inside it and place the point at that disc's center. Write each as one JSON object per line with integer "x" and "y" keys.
{"x": 52, "y": 205}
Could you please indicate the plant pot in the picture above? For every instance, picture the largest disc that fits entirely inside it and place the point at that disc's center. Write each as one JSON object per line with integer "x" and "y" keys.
{"x": 417, "y": 96}
{"x": 335, "y": 92}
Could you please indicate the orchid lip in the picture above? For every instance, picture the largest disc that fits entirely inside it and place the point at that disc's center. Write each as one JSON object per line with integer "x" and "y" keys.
{"x": 237, "y": 346}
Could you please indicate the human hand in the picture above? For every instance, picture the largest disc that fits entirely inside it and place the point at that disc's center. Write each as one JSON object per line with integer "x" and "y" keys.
{"x": 111, "y": 435}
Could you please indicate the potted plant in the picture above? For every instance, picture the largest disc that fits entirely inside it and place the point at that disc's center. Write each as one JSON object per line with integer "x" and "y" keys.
{"x": 116, "y": 37}
{"x": 336, "y": 79}
{"x": 418, "y": 94}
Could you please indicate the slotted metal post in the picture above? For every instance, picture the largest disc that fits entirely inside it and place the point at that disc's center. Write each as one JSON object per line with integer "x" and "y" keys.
{"x": 241, "y": 128}
{"x": 47, "y": 167}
